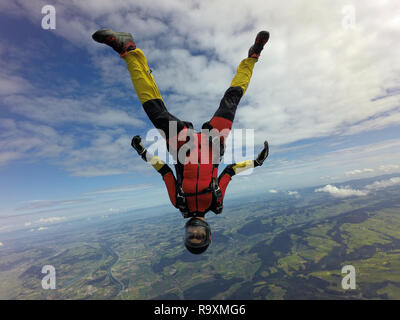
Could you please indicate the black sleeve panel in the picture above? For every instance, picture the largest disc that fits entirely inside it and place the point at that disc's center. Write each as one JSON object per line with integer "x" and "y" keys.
{"x": 164, "y": 170}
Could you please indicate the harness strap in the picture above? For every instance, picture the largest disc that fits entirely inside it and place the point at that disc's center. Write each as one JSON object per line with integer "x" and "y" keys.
{"x": 181, "y": 202}
{"x": 217, "y": 193}
{"x": 193, "y": 194}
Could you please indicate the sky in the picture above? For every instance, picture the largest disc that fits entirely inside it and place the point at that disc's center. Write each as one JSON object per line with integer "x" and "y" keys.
{"x": 325, "y": 93}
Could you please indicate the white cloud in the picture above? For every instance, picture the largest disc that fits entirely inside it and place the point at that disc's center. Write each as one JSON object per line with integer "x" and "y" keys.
{"x": 383, "y": 183}
{"x": 272, "y": 191}
{"x": 380, "y": 122}
{"x": 389, "y": 167}
{"x": 358, "y": 171}
{"x": 1, "y": 244}
{"x": 310, "y": 168}
{"x": 321, "y": 80}
{"x": 90, "y": 152}
{"x": 19, "y": 139}
{"x": 338, "y": 72}
{"x": 385, "y": 168}
{"x": 51, "y": 219}
{"x": 42, "y": 228}
{"x": 293, "y": 193}
{"x": 342, "y": 192}
{"x": 63, "y": 110}
{"x": 44, "y": 221}
{"x": 11, "y": 84}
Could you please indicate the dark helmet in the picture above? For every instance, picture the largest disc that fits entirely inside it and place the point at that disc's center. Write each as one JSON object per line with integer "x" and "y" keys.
{"x": 197, "y": 235}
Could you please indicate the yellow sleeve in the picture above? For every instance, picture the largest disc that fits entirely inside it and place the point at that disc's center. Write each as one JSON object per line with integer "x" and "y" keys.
{"x": 242, "y": 166}
{"x": 156, "y": 162}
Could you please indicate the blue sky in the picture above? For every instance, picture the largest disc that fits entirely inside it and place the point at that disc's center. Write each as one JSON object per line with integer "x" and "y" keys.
{"x": 324, "y": 94}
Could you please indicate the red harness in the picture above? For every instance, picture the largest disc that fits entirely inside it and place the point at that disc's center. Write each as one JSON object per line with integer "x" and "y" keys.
{"x": 197, "y": 183}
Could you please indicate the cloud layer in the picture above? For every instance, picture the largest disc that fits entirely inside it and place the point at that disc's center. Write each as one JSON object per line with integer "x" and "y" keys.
{"x": 383, "y": 184}
{"x": 341, "y": 192}
{"x": 349, "y": 192}
{"x": 315, "y": 78}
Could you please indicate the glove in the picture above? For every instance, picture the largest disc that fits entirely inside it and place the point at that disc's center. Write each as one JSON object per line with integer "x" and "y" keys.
{"x": 137, "y": 145}
{"x": 263, "y": 154}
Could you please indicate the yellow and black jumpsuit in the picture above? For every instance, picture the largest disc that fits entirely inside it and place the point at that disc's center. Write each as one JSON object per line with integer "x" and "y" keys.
{"x": 194, "y": 179}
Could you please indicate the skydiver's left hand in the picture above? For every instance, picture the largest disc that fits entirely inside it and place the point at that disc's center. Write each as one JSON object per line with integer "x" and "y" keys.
{"x": 137, "y": 145}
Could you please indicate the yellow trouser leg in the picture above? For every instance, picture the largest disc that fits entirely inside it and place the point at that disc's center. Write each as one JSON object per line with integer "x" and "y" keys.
{"x": 243, "y": 73}
{"x": 142, "y": 79}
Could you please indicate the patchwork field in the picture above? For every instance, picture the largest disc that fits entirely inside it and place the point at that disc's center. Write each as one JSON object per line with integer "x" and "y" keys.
{"x": 276, "y": 247}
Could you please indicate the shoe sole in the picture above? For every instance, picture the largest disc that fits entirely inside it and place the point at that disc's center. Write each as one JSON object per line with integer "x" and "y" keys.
{"x": 102, "y": 35}
{"x": 262, "y": 37}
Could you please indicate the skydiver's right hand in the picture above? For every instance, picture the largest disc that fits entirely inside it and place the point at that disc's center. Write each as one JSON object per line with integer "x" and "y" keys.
{"x": 263, "y": 154}
{"x": 137, "y": 145}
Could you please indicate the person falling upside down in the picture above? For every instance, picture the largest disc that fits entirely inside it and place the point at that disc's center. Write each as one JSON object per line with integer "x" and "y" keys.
{"x": 197, "y": 187}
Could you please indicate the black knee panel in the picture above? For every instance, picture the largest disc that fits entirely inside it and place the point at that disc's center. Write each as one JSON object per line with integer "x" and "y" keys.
{"x": 229, "y": 103}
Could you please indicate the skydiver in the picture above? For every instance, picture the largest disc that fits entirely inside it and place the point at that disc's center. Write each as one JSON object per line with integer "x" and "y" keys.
{"x": 197, "y": 187}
